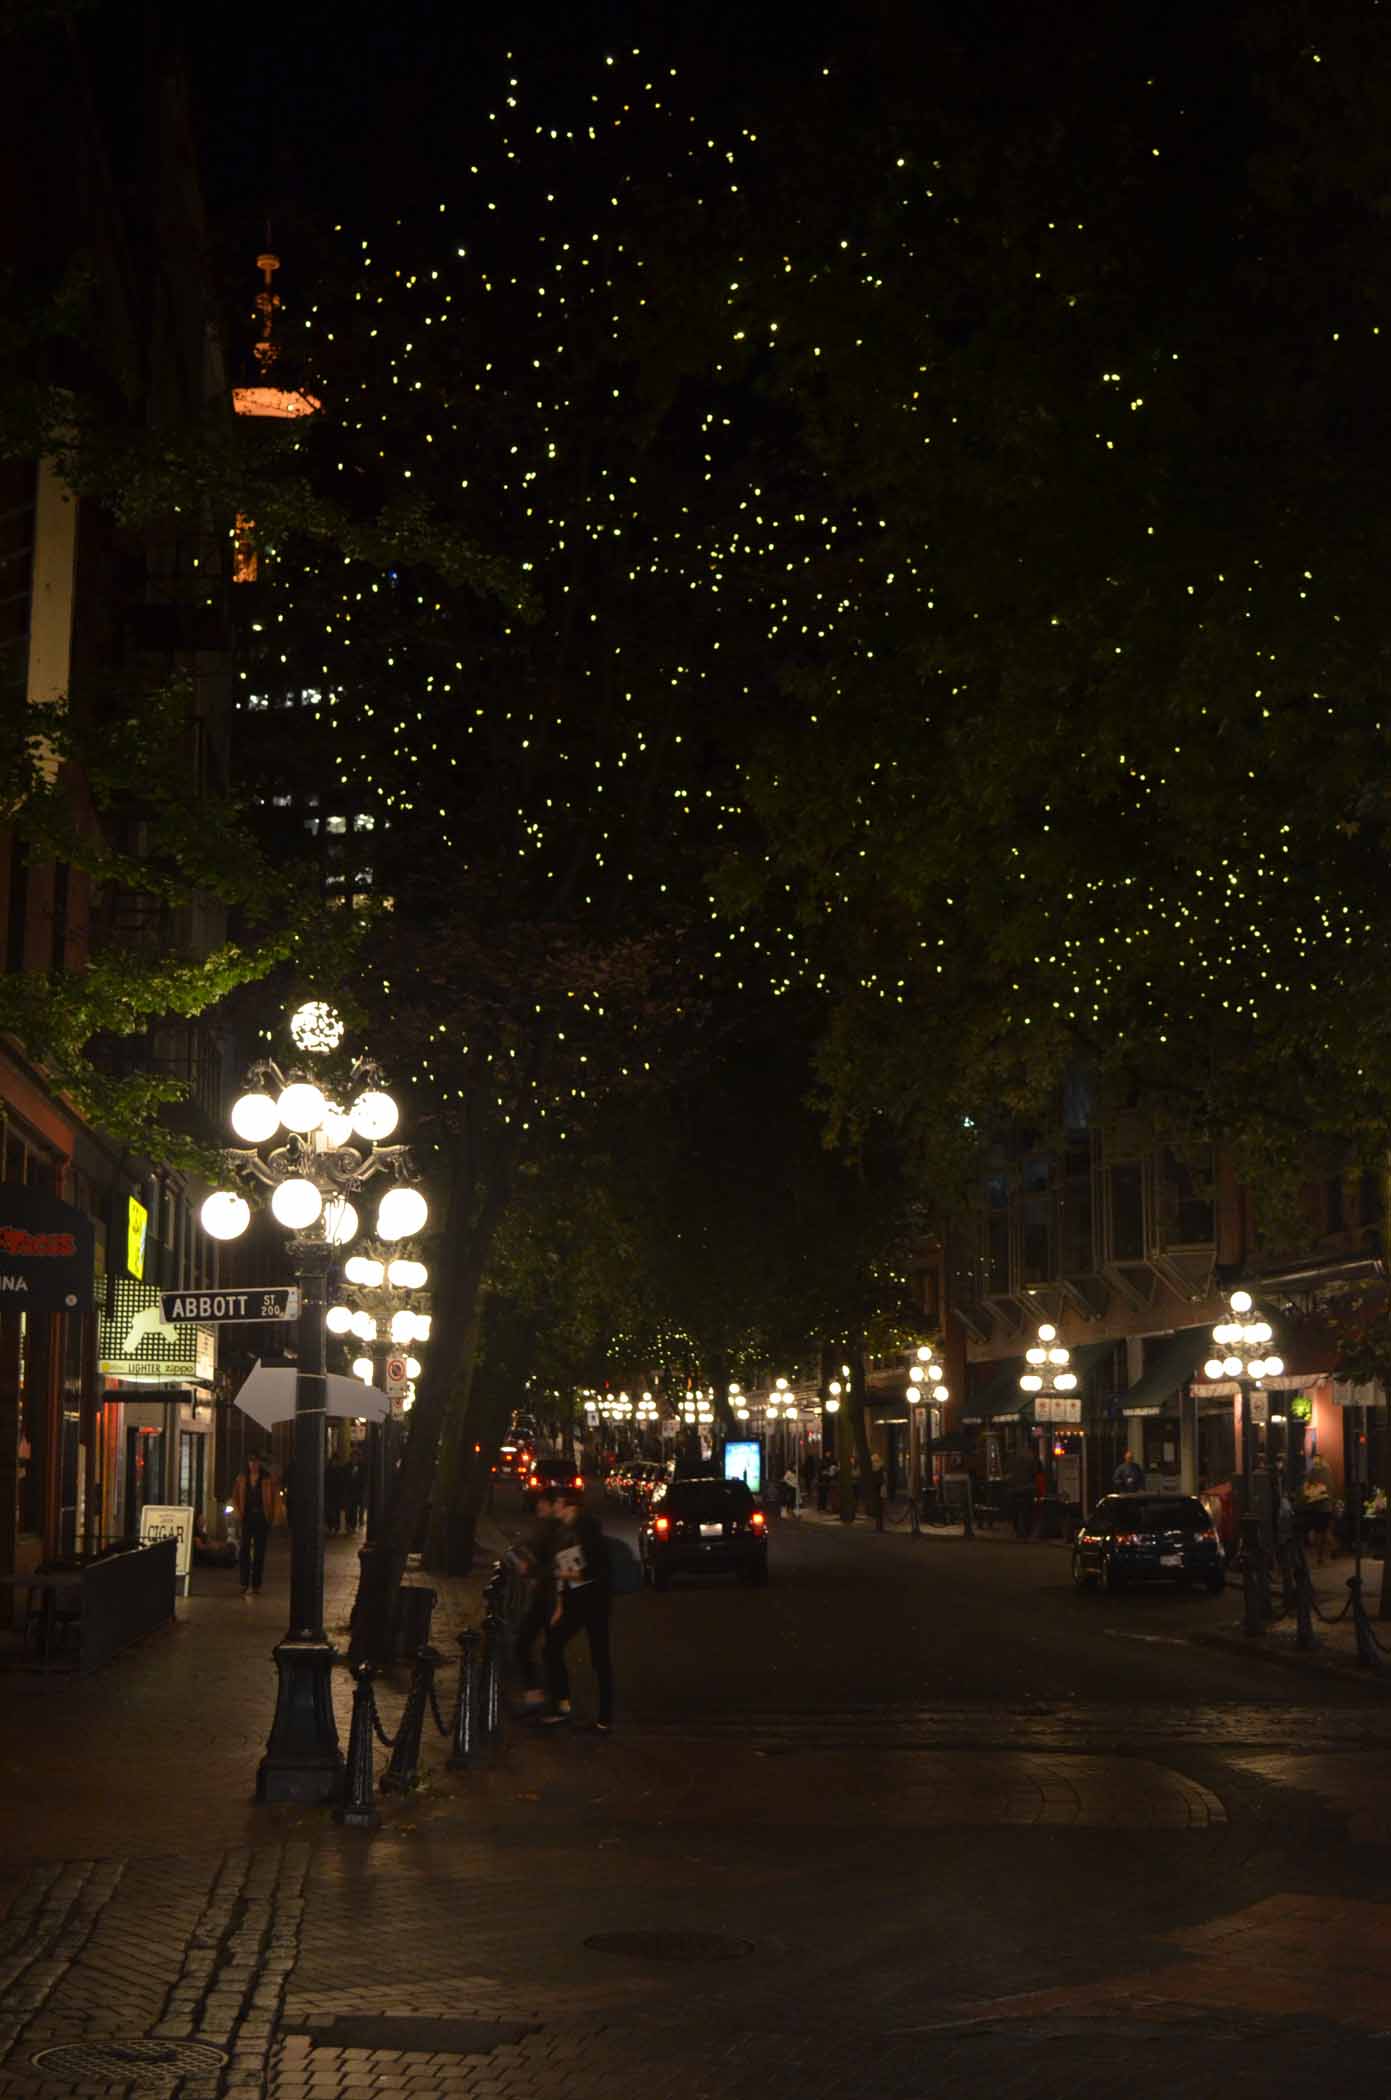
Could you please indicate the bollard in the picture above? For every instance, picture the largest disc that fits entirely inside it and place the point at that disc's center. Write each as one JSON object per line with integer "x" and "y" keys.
{"x": 464, "y": 1749}
{"x": 1304, "y": 1635}
{"x": 358, "y": 1809}
{"x": 402, "y": 1775}
{"x": 1366, "y": 1640}
{"x": 494, "y": 1635}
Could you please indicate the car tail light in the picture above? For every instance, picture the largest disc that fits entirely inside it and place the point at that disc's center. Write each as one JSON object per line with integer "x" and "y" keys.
{"x": 1208, "y": 1537}
{"x": 661, "y": 1525}
{"x": 535, "y": 1481}
{"x": 579, "y": 1480}
{"x": 758, "y": 1520}
{"x": 1125, "y": 1538}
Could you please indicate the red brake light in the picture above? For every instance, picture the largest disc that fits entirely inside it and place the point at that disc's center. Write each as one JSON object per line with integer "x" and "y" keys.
{"x": 1125, "y": 1538}
{"x": 535, "y": 1481}
{"x": 661, "y": 1524}
{"x": 579, "y": 1480}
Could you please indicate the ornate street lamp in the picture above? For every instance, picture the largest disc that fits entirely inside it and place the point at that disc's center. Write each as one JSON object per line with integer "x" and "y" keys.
{"x": 1051, "y": 1379}
{"x": 384, "y": 1310}
{"x": 1241, "y": 1353}
{"x": 926, "y": 1385}
{"x": 313, "y": 1157}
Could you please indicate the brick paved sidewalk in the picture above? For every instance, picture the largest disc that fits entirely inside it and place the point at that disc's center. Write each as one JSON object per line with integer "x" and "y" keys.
{"x": 161, "y": 1746}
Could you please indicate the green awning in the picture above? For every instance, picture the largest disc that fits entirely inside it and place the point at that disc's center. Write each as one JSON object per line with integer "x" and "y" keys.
{"x": 997, "y": 1396}
{"x": 1164, "y": 1381}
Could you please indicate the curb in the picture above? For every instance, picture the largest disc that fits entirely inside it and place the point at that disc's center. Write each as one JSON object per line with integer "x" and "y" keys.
{"x": 1322, "y": 1661}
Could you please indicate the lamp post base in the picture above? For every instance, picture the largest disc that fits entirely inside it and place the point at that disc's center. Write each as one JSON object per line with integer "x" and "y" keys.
{"x": 303, "y": 1761}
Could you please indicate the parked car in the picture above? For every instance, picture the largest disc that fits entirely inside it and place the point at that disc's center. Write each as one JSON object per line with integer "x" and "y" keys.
{"x": 1148, "y": 1538}
{"x": 703, "y": 1527}
{"x": 550, "y": 1473}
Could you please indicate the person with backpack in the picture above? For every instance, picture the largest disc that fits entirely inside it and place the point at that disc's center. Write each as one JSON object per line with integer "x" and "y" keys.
{"x": 583, "y": 1577}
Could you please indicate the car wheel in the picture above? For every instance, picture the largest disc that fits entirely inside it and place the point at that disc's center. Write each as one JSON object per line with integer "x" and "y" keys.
{"x": 1083, "y": 1577}
{"x": 1110, "y": 1575}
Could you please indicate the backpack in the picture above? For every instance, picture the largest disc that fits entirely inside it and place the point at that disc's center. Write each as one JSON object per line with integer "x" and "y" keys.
{"x": 625, "y": 1569}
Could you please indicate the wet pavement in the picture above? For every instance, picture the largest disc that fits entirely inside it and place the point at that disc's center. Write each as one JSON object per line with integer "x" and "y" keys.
{"x": 915, "y": 1820}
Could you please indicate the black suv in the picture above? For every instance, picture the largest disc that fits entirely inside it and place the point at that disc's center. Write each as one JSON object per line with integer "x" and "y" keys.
{"x": 546, "y": 1475}
{"x": 703, "y": 1527}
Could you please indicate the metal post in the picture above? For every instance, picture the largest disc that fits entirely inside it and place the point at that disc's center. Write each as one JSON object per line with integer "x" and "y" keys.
{"x": 915, "y": 1460}
{"x": 303, "y": 1761}
{"x": 402, "y": 1775}
{"x": 464, "y": 1748}
{"x": 359, "y": 1807}
{"x": 1253, "y": 1556}
{"x": 494, "y": 1634}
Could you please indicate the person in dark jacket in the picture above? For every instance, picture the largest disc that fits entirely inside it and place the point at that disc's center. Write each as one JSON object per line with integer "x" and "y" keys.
{"x": 253, "y": 1499}
{"x": 1128, "y": 1478}
{"x": 535, "y": 1556}
{"x": 583, "y": 1598}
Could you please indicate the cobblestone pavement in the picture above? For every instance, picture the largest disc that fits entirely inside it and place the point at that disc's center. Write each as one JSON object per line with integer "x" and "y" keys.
{"x": 804, "y": 1883}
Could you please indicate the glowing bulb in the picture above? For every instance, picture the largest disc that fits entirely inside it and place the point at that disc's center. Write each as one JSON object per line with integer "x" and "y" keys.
{"x": 375, "y": 1116}
{"x": 1031, "y": 1382}
{"x": 1047, "y": 1333}
{"x": 255, "y": 1118}
{"x": 412, "y": 1367}
{"x": 833, "y": 1405}
{"x": 1214, "y": 1368}
{"x": 915, "y": 1375}
{"x": 296, "y": 1203}
{"x": 363, "y": 1271}
{"x": 401, "y": 1212}
{"x": 338, "y": 1320}
{"x": 407, "y": 1275}
{"x": 225, "y": 1215}
{"x": 924, "y": 1356}
{"x": 363, "y": 1326}
{"x": 316, "y": 1028}
{"x": 337, "y": 1126}
{"x": 301, "y": 1107}
{"x": 1275, "y": 1367}
{"x": 402, "y": 1328}
{"x": 939, "y": 1392}
{"x": 1036, "y": 1356}
{"x": 340, "y": 1221}
{"x": 1231, "y": 1366}
{"x": 362, "y": 1368}
{"x": 1240, "y": 1301}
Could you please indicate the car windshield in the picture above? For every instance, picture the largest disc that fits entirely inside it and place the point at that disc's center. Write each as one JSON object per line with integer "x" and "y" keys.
{"x": 707, "y": 1499}
{"x": 1151, "y": 1513}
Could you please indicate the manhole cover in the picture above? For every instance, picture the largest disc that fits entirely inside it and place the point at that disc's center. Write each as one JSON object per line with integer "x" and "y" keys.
{"x": 137, "y": 2062}
{"x": 416, "y": 2031}
{"x": 671, "y": 1946}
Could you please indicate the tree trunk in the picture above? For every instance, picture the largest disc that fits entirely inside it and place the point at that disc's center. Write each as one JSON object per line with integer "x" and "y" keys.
{"x": 855, "y": 1401}
{"x": 464, "y": 1245}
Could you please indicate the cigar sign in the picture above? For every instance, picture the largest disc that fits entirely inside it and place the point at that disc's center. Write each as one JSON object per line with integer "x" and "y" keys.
{"x": 46, "y": 1252}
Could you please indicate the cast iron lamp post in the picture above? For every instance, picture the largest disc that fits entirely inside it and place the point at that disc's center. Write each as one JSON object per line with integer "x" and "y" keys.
{"x": 925, "y": 1381}
{"x": 313, "y": 1157}
{"x": 1050, "y": 1377}
{"x": 384, "y": 1312}
{"x": 1244, "y": 1343}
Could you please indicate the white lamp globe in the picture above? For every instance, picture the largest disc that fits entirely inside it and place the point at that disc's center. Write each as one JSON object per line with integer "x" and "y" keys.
{"x": 940, "y": 1392}
{"x": 255, "y": 1118}
{"x": 1240, "y": 1301}
{"x": 1065, "y": 1381}
{"x": 362, "y": 1368}
{"x": 1262, "y": 1331}
{"x": 1047, "y": 1333}
{"x": 741, "y": 1413}
{"x": 401, "y": 1212}
{"x": 1036, "y": 1356}
{"x": 924, "y": 1356}
{"x": 1213, "y": 1368}
{"x": 915, "y": 1376}
{"x": 412, "y": 1367}
{"x": 375, "y": 1116}
{"x": 1031, "y": 1382}
{"x": 916, "y": 1395}
{"x": 225, "y": 1215}
{"x": 301, "y": 1107}
{"x": 833, "y": 1406}
{"x": 1059, "y": 1356}
{"x": 338, "y": 1320}
{"x": 1275, "y": 1367}
{"x": 422, "y": 1327}
{"x": 340, "y": 1222}
{"x": 1256, "y": 1367}
{"x": 296, "y": 1203}
{"x": 363, "y": 1271}
{"x": 403, "y": 1327}
{"x": 316, "y": 1028}
{"x": 407, "y": 1275}
{"x": 337, "y": 1126}
{"x": 1231, "y": 1365}
{"x": 363, "y": 1326}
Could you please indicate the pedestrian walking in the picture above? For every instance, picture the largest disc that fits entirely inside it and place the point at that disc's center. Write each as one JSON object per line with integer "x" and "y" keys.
{"x": 583, "y": 1599}
{"x": 356, "y": 1482}
{"x": 1129, "y": 1477}
{"x": 789, "y": 1491}
{"x": 253, "y": 1499}
{"x": 535, "y": 1557}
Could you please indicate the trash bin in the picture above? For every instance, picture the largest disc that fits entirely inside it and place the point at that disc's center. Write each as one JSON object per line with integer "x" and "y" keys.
{"x": 410, "y": 1621}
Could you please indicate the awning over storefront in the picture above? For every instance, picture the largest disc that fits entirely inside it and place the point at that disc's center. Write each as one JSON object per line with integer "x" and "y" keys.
{"x": 1158, "y": 1388}
{"x": 997, "y": 1398}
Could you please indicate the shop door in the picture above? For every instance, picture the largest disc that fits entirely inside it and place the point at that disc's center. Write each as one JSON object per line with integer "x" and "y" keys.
{"x": 144, "y": 1473}
{"x": 192, "y": 1459}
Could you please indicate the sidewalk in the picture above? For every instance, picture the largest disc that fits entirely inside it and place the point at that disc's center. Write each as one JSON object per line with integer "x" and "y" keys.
{"x": 177, "y": 1756}
{"x": 1335, "y": 1646}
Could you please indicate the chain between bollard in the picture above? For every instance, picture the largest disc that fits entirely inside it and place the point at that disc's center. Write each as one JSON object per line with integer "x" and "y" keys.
{"x": 402, "y": 1775}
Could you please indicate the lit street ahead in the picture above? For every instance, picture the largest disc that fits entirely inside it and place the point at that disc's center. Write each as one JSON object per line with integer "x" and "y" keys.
{"x": 915, "y": 1818}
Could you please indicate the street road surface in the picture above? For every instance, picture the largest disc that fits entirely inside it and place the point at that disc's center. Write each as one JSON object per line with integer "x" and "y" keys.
{"x": 914, "y": 1820}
